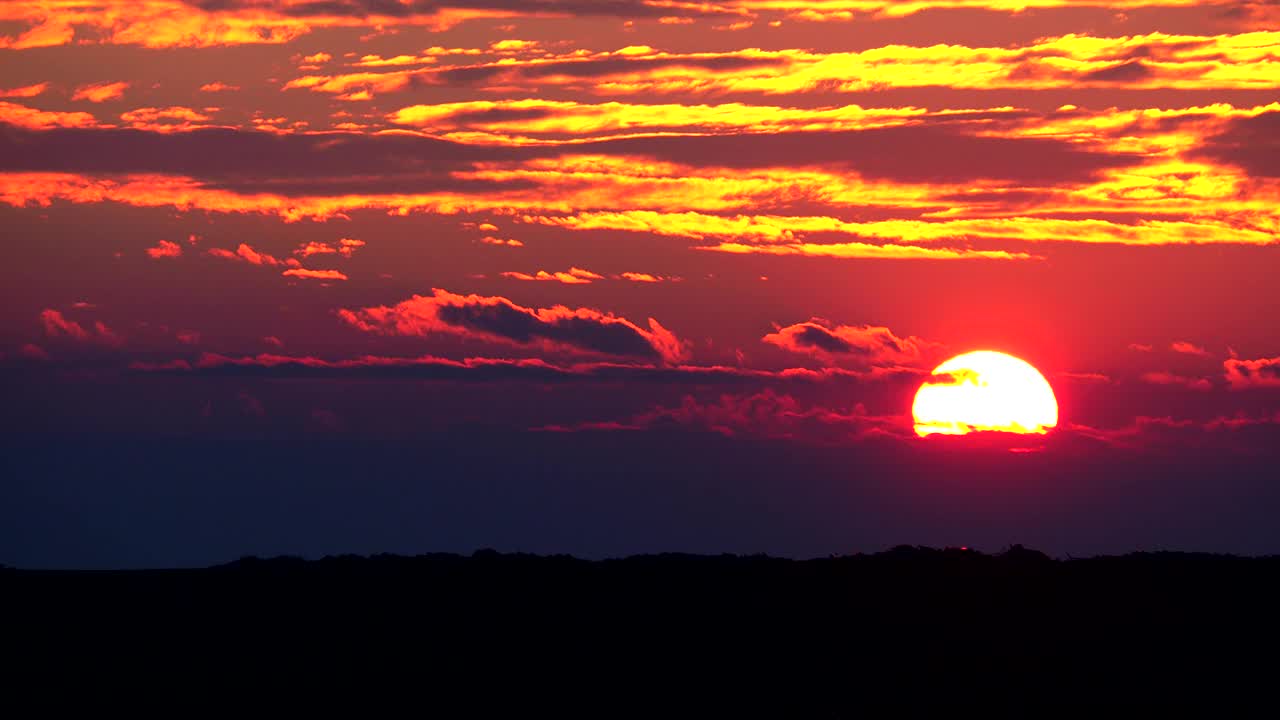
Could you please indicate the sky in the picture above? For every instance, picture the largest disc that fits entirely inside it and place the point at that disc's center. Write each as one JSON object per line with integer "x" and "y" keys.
{"x": 608, "y": 277}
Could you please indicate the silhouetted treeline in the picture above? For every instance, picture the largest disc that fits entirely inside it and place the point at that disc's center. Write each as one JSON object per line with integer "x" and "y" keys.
{"x": 910, "y": 629}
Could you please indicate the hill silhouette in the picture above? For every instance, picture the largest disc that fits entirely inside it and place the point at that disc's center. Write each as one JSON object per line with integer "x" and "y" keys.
{"x": 911, "y": 629}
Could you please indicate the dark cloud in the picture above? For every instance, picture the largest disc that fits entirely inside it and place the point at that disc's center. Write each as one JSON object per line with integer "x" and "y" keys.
{"x": 499, "y": 319}
{"x": 339, "y": 162}
{"x": 868, "y": 344}
{"x": 1125, "y": 72}
{"x": 483, "y": 370}
{"x": 592, "y": 68}
{"x": 766, "y": 414}
{"x": 1251, "y": 143}
{"x": 412, "y": 8}
{"x": 915, "y": 153}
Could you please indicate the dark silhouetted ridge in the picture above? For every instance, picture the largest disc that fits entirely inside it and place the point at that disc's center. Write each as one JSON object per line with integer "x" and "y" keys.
{"x": 910, "y": 629}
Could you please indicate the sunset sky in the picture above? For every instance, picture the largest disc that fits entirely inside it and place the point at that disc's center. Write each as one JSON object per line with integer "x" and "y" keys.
{"x": 617, "y": 276}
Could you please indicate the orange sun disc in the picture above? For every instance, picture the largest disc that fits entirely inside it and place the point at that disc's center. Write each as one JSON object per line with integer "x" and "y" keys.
{"x": 984, "y": 391}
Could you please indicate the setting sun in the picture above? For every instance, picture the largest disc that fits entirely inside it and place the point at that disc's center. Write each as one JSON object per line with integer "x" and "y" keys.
{"x": 984, "y": 391}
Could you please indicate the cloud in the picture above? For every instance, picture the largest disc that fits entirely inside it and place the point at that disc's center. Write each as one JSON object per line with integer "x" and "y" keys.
{"x": 867, "y": 251}
{"x": 245, "y": 253}
{"x": 481, "y": 370}
{"x": 33, "y": 119}
{"x": 31, "y": 351}
{"x": 491, "y": 240}
{"x": 762, "y": 414}
{"x": 57, "y": 326}
{"x": 642, "y": 277}
{"x": 314, "y": 274}
{"x": 100, "y": 92}
{"x": 26, "y": 91}
{"x": 1186, "y": 348}
{"x": 499, "y": 319}
{"x": 574, "y": 276}
{"x": 216, "y": 87}
{"x": 784, "y": 231}
{"x": 166, "y": 249}
{"x": 345, "y": 247}
{"x": 167, "y": 119}
{"x": 1262, "y": 372}
{"x": 1250, "y": 143}
{"x": 1168, "y": 378}
{"x": 1239, "y": 433}
{"x": 867, "y": 344}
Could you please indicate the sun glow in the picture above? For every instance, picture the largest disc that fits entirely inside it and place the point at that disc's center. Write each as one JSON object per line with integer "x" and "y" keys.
{"x": 984, "y": 391}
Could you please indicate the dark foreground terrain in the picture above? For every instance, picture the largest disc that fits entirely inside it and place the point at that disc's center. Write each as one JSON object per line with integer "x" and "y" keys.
{"x": 911, "y": 629}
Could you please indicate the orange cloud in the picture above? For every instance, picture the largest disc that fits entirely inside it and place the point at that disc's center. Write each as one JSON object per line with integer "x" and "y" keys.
{"x": 574, "y": 276}
{"x": 46, "y": 30}
{"x": 314, "y": 274}
{"x": 864, "y": 251}
{"x": 345, "y": 247}
{"x": 491, "y": 240}
{"x": 244, "y": 253}
{"x": 166, "y": 249}
{"x": 785, "y": 229}
{"x": 27, "y": 91}
{"x": 100, "y": 92}
{"x": 34, "y": 119}
{"x": 166, "y": 119}
{"x": 218, "y": 86}
{"x": 641, "y": 277}
{"x": 498, "y": 319}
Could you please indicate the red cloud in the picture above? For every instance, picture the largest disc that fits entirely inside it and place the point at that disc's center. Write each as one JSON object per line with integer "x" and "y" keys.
{"x": 873, "y": 345}
{"x": 314, "y": 274}
{"x": 57, "y": 326}
{"x": 100, "y": 92}
{"x": 165, "y": 249}
{"x": 1168, "y": 378}
{"x": 499, "y": 319}
{"x": 1187, "y": 348}
{"x": 1263, "y": 372}
{"x": 33, "y": 352}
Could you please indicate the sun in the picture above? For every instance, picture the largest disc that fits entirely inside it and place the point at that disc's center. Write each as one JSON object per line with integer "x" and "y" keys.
{"x": 984, "y": 391}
